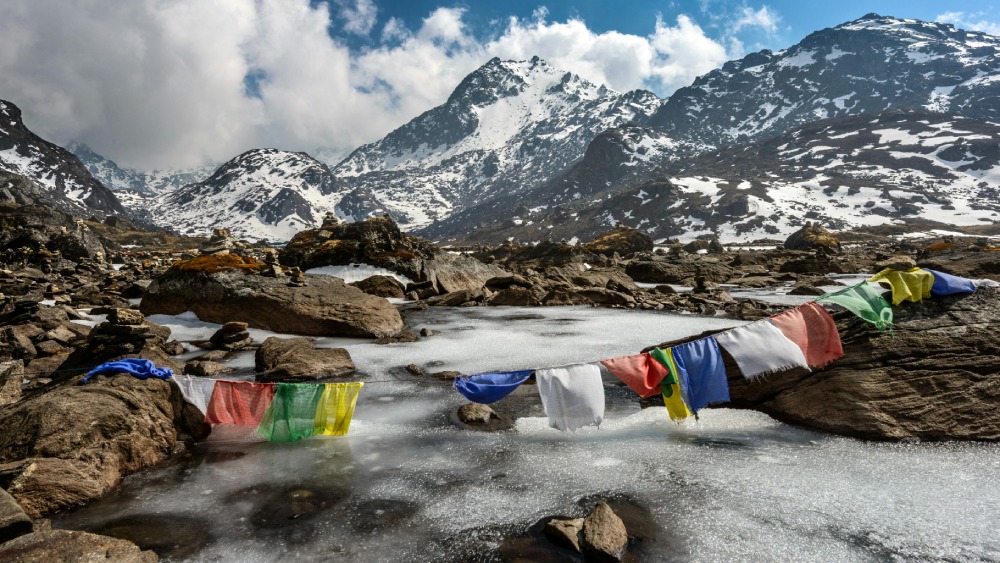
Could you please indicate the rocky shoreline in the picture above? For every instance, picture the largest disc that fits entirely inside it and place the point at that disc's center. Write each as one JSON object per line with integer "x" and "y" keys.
{"x": 63, "y": 444}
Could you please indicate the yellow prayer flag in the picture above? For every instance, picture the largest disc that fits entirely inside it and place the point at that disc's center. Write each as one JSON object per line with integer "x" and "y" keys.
{"x": 336, "y": 408}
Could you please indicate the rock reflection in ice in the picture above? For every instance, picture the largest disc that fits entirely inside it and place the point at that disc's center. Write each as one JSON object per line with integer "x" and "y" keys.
{"x": 407, "y": 485}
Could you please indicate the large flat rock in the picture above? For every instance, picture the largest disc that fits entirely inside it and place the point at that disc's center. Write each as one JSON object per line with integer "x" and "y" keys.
{"x": 325, "y": 307}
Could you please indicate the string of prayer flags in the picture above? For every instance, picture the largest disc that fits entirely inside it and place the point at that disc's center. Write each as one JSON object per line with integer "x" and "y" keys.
{"x": 701, "y": 373}
{"x": 947, "y": 284}
{"x": 292, "y": 413}
{"x": 239, "y": 402}
{"x": 336, "y": 408}
{"x": 812, "y": 328}
{"x": 864, "y": 301}
{"x": 137, "y": 367}
{"x": 490, "y": 387}
{"x": 196, "y": 390}
{"x": 572, "y": 396}
{"x": 639, "y": 371}
{"x": 670, "y": 386}
{"x": 907, "y": 285}
{"x": 760, "y": 349}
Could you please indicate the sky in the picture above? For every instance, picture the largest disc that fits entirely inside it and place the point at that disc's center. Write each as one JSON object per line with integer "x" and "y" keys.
{"x": 185, "y": 83}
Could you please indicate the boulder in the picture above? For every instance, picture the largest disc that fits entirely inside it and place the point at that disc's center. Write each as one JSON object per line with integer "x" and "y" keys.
{"x": 456, "y": 298}
{"x": 604, "y": 534}
{"x": 515, "y": 296}
{"x": 381, "y": 286}
{"x": 13, "y": 521}
{"x": 15, "y": 346}
{"x": 812, "y": 237}
{"x": 602, "y": 296}
{"x": 448, "y": 272}
{"x": 621, "y": 240}
{"x": 472, "y": 413}
{"x": 202, "y": 368}
{"x": 565, "y": 533}
{"x": 295, "y": 359}
{"x": 937, "y": 377}
{"x": 231, "y": 336}
{"x": 325, "y": 307}
{"x": 65, "y": 546}
{"x": 70, "y": 444}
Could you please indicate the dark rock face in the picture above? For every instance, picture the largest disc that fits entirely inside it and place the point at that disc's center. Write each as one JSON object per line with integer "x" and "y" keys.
{"x": 13, "y": 521}
{"x": 935, "y": 378}
{"x": 64, "y": 546}
{"x": 325, "y": 307}
{"x": 70, "y": 443}
{"x": 56, "y": 173}
{"x": 36, "y": 235}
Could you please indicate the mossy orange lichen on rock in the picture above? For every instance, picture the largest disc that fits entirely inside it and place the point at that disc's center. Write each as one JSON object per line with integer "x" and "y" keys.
{"x": 212, "y": 263}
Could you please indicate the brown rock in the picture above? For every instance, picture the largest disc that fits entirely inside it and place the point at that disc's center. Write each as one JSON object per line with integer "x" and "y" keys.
{"x": 73, "y": 443}
{"x": 564, "y": 296}
{"x": 65, "y": 546}
{"x": 125, "y": 317}
{"x": 472, "y": 413}
{"x": 565, "y": 533}
{"x": 515, "y": 296}
{"x": 205, "y": 368}
{"x": 14, "y": 345}
{"x": 456, "y": 298}
{"x": 295, "y": 359}
{"x": 621, "y": 240}
{"x": 943, "y": 353}
{"x": 13, "y": 521}
{"x": 61, "y": 334}
{"x": 415, "y": 369}
{"x": 603, "y": 296}
{"x": 897, "y": 262}
{"x": 811, "y": 237}
{"x": 50, "y": 348}
{"x": 326, "y": 307}
{"x": 382, "y": 286}
{"x": 604, "y": 534}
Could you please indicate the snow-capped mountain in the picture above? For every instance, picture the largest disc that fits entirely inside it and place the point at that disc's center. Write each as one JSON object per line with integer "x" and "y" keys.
{"x": 60, "y": 177}
{"x": 120, "y": 179}
{"x": 508, "y": 127}
{"x": 264, "y": 194}
{"x": 896, "y": 167}
{"x": 865, "y": 66}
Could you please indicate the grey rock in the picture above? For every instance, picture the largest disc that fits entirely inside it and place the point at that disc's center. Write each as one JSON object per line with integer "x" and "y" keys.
{"x": 13, "y": 521}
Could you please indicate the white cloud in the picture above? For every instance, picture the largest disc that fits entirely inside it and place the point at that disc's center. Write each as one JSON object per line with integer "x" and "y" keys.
{"x": 157, "y": 83}
{"x": 359, "y": 15}
{"x": 764, "y": 18}
{"x": 974, "y": 21}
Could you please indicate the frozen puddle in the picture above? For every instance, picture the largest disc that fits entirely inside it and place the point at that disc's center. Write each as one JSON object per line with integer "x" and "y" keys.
{"x": 407, "y": 485}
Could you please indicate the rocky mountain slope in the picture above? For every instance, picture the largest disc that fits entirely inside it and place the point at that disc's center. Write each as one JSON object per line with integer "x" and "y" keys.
{"x": 37, "y": 171}
{"x": 263, "y": 194}
{"x": 865, "y": 67}
{"x": 896, "y": 167}
{"x": 506, "y": 128}
{"x": 122, "y": 179}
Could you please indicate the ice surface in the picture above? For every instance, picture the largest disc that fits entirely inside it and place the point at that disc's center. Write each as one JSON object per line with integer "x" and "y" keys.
{"x": 407, "y": 485}
{"x": 357, "y": 272}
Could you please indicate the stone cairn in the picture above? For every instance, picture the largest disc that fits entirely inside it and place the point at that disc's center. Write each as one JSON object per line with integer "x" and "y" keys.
{"x": 298, "y": 278}
{"x": 125, "y": 333}
{"x": 221, "y": 242}
{"x": 232, "y": 336}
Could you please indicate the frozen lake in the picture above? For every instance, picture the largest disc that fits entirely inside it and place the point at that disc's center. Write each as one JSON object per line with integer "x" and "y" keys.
{"x": 409, "y": 485}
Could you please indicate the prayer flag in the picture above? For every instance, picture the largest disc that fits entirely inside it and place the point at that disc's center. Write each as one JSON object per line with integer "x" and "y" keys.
{"x": 909, "y": 285}
{"x": 196, "y": 390}
{"x": 292, "y": 414}
{"x": 639, "y": 371}
{"x": 490, "y": 387}
{"x": 670, "y": 387}
{"x": 812, "y": 328}
{"x": 947, "y": 284}
{"x": 239, "y": 402}
{"x": 336, "y": 408}
{"x": 864, "y": 301}
{"x": 760, "y": 349}
{"x": 572, "y": 396}
{"x": 701, "y": 373}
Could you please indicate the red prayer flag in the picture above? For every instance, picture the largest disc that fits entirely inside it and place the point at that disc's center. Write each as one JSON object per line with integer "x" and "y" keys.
{"x": 812, "y": 328}
{"x": 239, "y": 402}
{"x": 640, "y": 372}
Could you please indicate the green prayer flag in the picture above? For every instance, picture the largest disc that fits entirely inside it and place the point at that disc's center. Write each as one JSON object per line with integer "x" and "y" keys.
{"x": 292, "y": 413}
{"x": 666, "y": 386}
{"x": 864, "y": 301}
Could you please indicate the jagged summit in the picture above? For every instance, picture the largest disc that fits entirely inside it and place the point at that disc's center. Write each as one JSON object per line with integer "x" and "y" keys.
{"x": 507, "y": 126}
